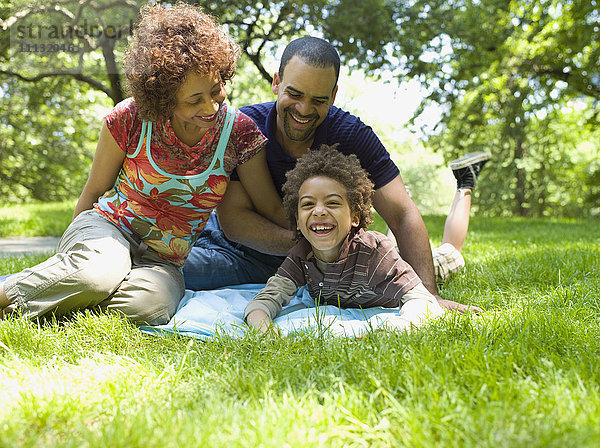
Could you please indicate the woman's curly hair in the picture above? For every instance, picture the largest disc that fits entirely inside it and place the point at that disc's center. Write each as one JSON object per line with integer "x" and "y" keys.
{"x": 329, "y": 162}
{"x": 169, "y": 42}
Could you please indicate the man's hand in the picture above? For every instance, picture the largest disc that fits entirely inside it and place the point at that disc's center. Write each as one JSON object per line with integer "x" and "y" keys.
{"x": 455, "y": 306}
{"x": 242, "y": 224}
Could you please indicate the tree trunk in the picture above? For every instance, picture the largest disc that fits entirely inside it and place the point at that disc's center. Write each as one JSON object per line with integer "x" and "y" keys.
{"x": 521, "y": 190}
{"x": 114, "y": 78}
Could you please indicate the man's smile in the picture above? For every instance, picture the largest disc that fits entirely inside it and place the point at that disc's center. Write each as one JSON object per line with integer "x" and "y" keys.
{"x": 299, "y": 119}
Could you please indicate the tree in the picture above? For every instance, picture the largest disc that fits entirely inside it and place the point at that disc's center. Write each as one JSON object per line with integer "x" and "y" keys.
{"x": 73, "y": 39}
{"x": 85, "y": 40}
{"x": 493, "y": 65}
{"x": 496, "y": 67}
{"x": 47, "y": 136}
{"x": 54, "y": 54}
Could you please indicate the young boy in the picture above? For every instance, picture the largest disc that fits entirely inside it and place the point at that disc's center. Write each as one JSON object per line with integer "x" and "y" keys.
{"x": 327, "y": 196}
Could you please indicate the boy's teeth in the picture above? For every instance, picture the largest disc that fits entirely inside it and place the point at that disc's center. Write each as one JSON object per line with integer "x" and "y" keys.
{"x": 322, "y": 227}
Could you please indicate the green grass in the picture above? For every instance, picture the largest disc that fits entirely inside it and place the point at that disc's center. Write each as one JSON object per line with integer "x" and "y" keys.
{"x": 525, "y": 374}
{"x": 48, "y": 219}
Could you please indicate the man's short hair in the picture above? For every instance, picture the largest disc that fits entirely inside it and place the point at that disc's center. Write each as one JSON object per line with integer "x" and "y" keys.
{"x": 314, "y": 51}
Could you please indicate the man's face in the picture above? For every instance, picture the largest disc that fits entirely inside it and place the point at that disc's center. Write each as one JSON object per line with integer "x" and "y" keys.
{"x": 304, "y": 94}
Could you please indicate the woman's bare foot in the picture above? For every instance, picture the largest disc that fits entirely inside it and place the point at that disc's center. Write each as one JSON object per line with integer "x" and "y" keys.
{"x": 3, "y": 299}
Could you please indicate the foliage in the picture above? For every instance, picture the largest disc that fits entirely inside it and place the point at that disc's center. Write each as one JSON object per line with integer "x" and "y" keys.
{"x": 97, "y": 32}
{"x": 449, "y": 44}
{"x": 78, "y": 40}
{"x": 53, "y": 101}
{"x": 525, "y": 373}
{"x": 47, "y": 219}
{"x": 557, "y": 173}
{"x": 428, "y": 179}
{"x": 539, "y": 47}
{"x": 248, "y": 87}
{"x": 261, "y": 27}
{"x": 504, "y": 72}
{"x": 508, "y": 75}
{"x": 47, "y": 137}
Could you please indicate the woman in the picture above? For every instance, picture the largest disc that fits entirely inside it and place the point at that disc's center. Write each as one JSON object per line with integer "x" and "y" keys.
{"x": 161, "y": 165}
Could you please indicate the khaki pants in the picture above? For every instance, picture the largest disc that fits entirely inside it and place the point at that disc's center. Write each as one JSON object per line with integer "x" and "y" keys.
{"x": 94, "y": 266}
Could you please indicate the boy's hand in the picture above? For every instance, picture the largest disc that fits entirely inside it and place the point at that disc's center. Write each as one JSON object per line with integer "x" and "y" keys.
{"x": 259, "y": 320}
{"x": 397, "y": 323}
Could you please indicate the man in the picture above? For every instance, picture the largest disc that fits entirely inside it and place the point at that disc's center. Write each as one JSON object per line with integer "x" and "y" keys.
{"x": 447, "y": 258}
{"x": 248, "y": 248}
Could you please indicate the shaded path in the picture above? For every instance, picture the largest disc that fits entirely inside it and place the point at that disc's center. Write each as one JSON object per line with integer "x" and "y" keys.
{"x": 19, "y": 245}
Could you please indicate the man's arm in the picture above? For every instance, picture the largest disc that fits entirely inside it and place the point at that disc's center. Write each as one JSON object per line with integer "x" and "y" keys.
{"x": 256, "y": 180}
{"x": 403, "y": 218}
{"x": 242, "y": 224}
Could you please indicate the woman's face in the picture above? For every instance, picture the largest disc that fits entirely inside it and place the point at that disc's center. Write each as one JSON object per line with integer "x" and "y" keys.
{"x": 198, "y": 100}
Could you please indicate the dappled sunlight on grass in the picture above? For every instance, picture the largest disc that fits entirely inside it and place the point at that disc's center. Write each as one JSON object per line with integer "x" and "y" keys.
{"x": 49, "y": 219}
{"x": 84, "y": 384}
{"x": 524, "y": 373}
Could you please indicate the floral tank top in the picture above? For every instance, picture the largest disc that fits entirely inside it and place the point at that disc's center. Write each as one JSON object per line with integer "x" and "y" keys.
{"x": 164, "y": 210}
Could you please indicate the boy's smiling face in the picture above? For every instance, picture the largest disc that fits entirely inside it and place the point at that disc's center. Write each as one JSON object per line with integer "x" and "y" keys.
{"x": 324, "y": 216}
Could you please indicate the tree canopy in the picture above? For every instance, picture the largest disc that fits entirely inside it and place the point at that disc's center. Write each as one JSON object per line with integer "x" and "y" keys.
{"x": 512, "y": 78}
{"x": 505, "y": 73}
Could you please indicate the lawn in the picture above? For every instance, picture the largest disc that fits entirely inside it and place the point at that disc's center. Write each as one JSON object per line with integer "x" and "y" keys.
{"x": 524, "y": 374}
{"x": 37, "y": 219}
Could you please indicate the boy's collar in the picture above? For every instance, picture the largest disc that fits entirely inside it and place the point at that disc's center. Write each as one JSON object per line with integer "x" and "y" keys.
{"x": 345, "y": 248}
{"x": 306, "y": 251}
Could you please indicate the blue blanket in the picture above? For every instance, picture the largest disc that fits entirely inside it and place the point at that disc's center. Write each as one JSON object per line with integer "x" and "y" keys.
{"x": 206, "y": 314}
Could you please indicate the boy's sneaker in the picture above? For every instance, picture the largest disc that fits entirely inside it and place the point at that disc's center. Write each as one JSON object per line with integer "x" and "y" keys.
{"x": 467, "y": 168}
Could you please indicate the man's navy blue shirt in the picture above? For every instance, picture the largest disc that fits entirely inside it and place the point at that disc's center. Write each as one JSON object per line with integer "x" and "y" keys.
{"x": 353, "y": 136}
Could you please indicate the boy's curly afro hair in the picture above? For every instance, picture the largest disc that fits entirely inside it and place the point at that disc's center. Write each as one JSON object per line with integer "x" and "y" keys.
{"x": 327, "y": 161}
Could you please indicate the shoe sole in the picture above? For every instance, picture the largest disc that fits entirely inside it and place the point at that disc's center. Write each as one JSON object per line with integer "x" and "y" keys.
{"x": 470, "y": 159}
